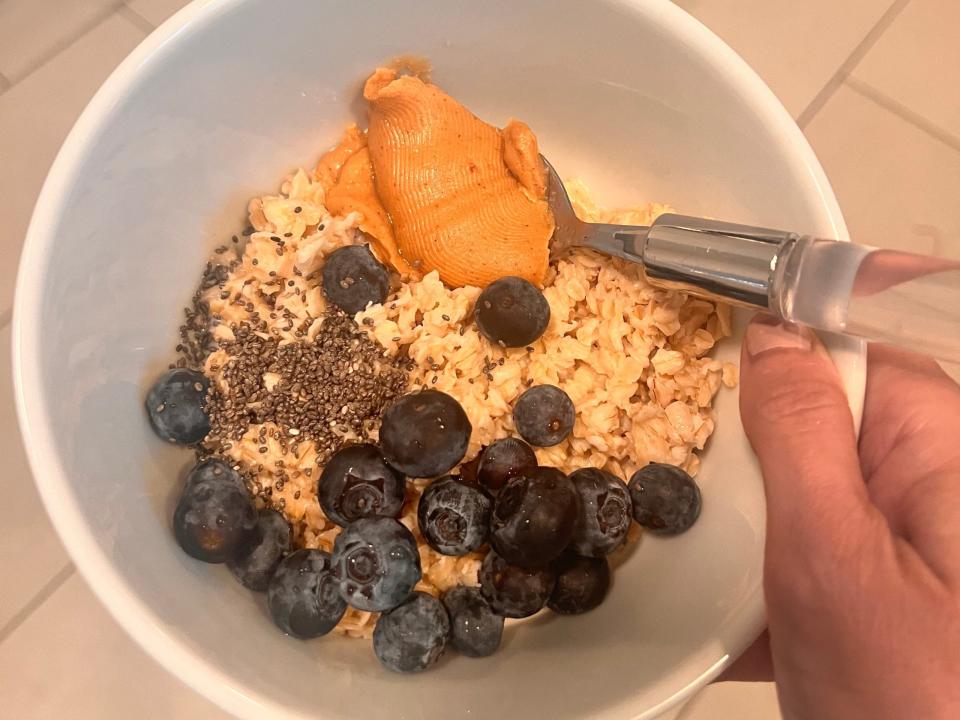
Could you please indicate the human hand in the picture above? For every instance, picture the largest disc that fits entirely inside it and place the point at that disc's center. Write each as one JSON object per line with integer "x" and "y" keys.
{"x": 862, "y": 566}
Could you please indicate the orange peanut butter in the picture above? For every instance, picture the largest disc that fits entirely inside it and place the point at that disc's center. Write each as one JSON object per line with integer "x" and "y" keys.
{"x": 347, "y": 178}
{"x": 439, "y": 189}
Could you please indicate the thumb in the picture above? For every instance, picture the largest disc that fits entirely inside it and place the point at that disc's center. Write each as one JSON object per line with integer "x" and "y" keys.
{"x": 795, "y": 413}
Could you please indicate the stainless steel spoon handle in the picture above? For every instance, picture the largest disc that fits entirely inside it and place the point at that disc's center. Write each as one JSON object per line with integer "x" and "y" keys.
{"x": 891, "y": 297}
{"x": 887, "y": 296}
{"x": 721, "y": 260}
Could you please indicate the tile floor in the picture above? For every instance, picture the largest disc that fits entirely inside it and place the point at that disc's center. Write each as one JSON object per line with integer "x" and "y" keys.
{"x": 871, "y": 82}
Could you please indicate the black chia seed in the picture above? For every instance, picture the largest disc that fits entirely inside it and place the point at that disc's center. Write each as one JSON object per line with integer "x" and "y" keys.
{"x": 196, "y": 340}
{"x": 340, "y": 380}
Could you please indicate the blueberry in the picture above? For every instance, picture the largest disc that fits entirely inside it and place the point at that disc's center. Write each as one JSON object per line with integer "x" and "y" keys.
{"x": 176, "y": 406}
{"x": 424, "y": 434}
{"x": 303, "y": 597}
{"x": 454, "y": 517}
{"x": 215, "y": 468}
{"x": 353, "y": 278}
{"x": 512, "y": 312}
{"x": 582, "y": 584}
{"x": 605, "y": 512}
{"x": 357, "y": 483}
{"x": 213, "y": 516}
{"x": 413, "y": 636}
{"x": 468, "y": 469}
{"x": 534, "y": 517}
{"x": 544, "y": 415}
{"x": 514, "y": 591}
{"x": 475, "y": 629}
{"x": 377, "y": 562}
{"x": 501, "y": 460}
{"x": 666, "y": 500}
{"x": 260, "y": 554}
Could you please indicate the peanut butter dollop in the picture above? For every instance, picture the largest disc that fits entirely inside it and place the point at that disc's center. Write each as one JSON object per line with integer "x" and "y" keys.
{"x": 439, "y": 189}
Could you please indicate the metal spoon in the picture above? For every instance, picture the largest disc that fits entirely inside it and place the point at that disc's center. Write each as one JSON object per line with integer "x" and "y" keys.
{"x": 882, "y": 295}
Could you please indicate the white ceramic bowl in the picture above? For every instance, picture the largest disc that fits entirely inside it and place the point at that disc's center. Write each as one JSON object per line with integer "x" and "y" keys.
{"x": 633, "y": 96}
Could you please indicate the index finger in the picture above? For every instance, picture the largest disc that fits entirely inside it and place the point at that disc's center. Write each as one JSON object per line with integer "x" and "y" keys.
{"x": 910, "y": 453}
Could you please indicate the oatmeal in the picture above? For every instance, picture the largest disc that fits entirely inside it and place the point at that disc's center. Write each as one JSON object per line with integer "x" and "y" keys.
{"x": 346, "y": 320}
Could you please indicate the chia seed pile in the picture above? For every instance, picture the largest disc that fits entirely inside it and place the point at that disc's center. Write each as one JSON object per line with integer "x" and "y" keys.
{"x": 325, "y": 389}
{"x": 196, "y": 338}
{"x": 337, "y": 384}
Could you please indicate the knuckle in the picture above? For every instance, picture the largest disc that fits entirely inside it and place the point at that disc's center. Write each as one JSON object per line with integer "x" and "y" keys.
{"x": 807, "y": 585}
{"x": 812, "y": 569}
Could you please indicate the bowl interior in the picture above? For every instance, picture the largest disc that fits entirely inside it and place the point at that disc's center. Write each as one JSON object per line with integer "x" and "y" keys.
{"x": 634, "y": 97}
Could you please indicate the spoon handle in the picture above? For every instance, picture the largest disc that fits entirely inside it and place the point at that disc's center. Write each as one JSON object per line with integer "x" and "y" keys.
{"x": 881, "y": 295}
{"x": 887, "y": 296}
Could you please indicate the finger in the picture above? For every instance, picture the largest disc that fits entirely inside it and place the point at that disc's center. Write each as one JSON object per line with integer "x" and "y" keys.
{"x": 796, "y": 415}
{"x": 755, "y": 665}
{"x": 910, "y": 454}
{"x": 907, "y": 395}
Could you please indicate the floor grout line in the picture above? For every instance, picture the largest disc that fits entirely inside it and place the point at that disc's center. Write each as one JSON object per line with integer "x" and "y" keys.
{"x": 4, "y": 84}
{"x": 136, "y": 18}
{"x": 41, "y": 596}
{"x": 848, "y": 65}
{"x": 59, "y": 47}
{"x": 903, "y": 112}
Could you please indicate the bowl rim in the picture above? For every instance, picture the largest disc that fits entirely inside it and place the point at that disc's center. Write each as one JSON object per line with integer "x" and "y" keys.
{"x": 136, "y": 617}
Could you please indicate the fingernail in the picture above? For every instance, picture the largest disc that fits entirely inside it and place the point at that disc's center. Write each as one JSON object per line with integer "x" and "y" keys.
{"x": 765, "y": 334}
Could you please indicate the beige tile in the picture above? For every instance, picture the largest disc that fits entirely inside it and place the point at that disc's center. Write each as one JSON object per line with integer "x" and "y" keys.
{"x": 796, "y": 47}
{"x": 156, "y": 11}
{"x": 30, "y": 553}
{"x": 897, "y": 185}
{"x": 951, "y": 369}
{"x": 35, "y": 116}
{"x": 71, "y": 660}
{"x": 917, "y": 60}
{"x": 729, "y": 700}
{"x": 31, "y": 30}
